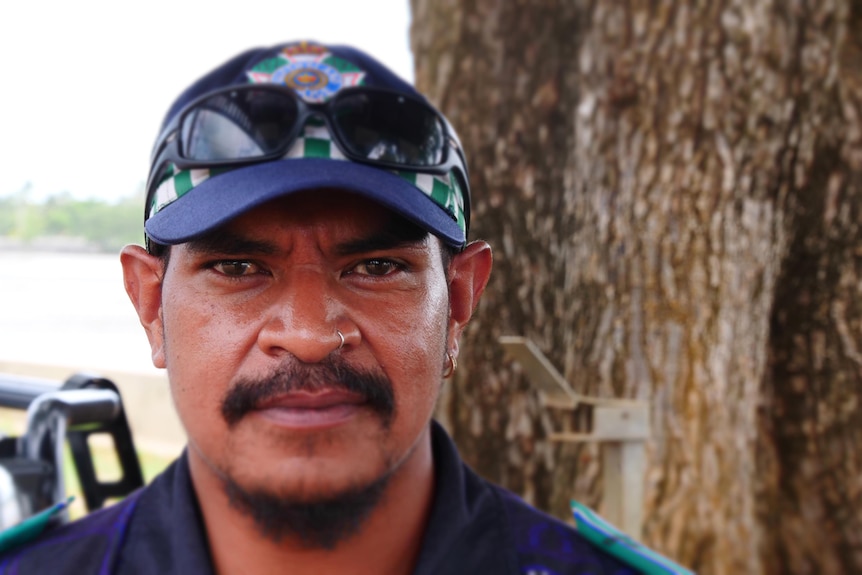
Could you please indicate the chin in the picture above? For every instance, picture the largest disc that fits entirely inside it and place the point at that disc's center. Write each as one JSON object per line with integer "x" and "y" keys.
{"x": 308, "y": 512}
{"x": 303, "y": 478}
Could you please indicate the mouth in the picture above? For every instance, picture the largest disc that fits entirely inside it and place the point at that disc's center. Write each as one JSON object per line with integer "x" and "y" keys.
{"x": 306, "y": 397}
{"x": 311, "y": 410}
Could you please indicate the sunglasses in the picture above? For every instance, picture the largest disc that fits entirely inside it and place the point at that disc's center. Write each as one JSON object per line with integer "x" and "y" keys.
{"x": 243, "y": 125}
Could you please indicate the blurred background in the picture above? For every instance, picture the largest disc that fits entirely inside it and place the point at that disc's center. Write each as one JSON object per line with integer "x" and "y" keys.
{"x": 673, "y": 190}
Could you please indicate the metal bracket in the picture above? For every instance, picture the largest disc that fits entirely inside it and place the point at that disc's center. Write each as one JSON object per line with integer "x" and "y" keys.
{"x": 621, "y": 426}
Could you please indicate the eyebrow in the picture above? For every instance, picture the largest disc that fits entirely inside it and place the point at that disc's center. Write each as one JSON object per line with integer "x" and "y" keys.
{"x": 228, "y": 243}
{"x": 398, "y": 233}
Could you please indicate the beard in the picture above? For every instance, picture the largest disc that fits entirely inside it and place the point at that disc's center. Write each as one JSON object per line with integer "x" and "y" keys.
{"x": 317, "y": 524}
{"x": 324, "y": 521}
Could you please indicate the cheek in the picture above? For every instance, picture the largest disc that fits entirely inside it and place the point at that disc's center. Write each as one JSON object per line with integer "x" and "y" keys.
{"x": 408, "y": 340}
{"x": 202, "y": 354}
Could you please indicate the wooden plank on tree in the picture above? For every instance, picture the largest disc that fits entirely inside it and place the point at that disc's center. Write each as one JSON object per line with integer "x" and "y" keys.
{"x": 623, "y": 469}
{"x": 621, "y": 423}
{"x": 553, "y": 388}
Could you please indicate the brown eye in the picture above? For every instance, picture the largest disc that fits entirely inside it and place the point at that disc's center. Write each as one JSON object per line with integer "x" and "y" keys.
{"x": 236, "y": 268}
{"x": 377, "y": 267}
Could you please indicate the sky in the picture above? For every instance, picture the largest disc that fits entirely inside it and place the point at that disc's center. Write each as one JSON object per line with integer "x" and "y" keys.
{"x": 86, "y": 82}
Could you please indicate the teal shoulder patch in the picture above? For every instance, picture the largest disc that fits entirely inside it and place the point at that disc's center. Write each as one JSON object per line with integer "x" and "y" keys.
{"x": 604, "y": 535}
{"x": 30, "y": 528}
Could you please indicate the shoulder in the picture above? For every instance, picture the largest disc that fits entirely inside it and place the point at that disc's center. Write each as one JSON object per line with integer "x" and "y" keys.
{"x": 488, "y": 529}
{"x": 547, "y": 546}
{"x": 101, "y": 542}
{"x": 80, "y": 547}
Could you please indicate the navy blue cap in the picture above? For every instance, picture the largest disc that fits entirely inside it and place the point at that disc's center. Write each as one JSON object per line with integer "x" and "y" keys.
{"x": 185, "y": 204}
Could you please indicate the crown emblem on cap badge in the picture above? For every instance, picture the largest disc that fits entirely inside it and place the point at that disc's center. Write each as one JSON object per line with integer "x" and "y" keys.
{"x": 309, "y": 69}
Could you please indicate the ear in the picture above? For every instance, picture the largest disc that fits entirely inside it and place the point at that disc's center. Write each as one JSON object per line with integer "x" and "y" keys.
{"x": 142, "y": 276}
{"x": 468, "y": 275}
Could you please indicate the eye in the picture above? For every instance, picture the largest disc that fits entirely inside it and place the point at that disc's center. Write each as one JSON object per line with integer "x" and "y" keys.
{"x": 377, "y": 267}
{"x": 236, "y": 268}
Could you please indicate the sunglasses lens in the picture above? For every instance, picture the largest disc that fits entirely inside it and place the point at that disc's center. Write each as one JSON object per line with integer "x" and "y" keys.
{"x": 389, "y": 128}
{"x": 238, "y": 125}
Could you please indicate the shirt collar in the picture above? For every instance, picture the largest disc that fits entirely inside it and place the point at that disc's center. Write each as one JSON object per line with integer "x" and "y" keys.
{"x": 468, "y": 530}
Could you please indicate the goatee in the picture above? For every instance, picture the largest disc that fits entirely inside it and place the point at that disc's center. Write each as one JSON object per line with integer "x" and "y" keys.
{"x": 324, "y": 521}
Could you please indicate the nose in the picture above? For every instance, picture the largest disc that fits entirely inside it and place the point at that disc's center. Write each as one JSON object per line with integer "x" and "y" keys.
{"x": 303, "y": 319}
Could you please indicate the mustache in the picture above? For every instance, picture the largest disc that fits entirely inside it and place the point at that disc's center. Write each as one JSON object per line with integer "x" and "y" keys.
{"x": 333, "y": 373}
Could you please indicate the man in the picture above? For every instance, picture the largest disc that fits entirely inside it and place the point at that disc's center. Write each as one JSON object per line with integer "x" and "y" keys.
{"x": 306, "y": 280}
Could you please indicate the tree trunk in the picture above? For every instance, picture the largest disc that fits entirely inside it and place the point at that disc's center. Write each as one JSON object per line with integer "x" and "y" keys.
{"x": 672, "y": 192}
{"x": 810, "y": 467}
{"x": 506, "y": 77}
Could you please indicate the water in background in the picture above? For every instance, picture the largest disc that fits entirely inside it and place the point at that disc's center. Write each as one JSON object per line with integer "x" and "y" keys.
{"x": 69, "y": 309}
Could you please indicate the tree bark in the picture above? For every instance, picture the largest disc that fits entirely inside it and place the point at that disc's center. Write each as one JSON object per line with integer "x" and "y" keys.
{"x": 506, "y": 75}
{"x": 672, "y": 191}
{"x": 810, "y": 468}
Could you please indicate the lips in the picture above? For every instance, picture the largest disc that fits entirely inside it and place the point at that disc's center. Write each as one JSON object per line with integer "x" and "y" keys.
{"x": 311, "y": 409}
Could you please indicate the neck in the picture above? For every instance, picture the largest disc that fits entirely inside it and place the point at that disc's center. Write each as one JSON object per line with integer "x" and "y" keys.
{"x": 388, "y": 542}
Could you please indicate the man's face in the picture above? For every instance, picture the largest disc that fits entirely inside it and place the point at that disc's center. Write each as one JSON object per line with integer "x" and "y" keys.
{"x": 247, "y": 330}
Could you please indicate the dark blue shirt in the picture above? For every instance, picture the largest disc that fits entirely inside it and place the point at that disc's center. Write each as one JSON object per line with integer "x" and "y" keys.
{"x": 476, "y": 528}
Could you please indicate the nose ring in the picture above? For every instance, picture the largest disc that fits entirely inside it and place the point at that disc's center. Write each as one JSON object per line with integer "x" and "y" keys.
{"x": 341, "y": 335}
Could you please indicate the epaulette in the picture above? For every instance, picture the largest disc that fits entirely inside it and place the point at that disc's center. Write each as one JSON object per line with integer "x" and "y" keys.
{"x": 604, "y": 535}
{"x": 31, "y": 528}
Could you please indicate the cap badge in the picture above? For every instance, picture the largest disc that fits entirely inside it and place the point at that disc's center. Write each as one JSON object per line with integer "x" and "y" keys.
{"x": 314, "y": 73}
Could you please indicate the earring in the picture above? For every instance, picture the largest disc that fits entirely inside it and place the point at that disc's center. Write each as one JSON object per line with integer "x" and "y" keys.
{"x": 452, "y": 365}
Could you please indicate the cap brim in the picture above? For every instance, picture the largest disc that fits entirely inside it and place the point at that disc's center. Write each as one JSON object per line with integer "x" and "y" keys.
{"x": 222, "y": 198}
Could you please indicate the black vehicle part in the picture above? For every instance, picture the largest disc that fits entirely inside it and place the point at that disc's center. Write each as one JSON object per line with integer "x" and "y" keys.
{"x": 96, "y": 492}
{"x": 18, "y": 391}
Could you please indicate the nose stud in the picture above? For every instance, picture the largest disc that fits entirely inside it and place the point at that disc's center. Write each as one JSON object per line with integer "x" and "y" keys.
{"x": 341, "y": 335}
